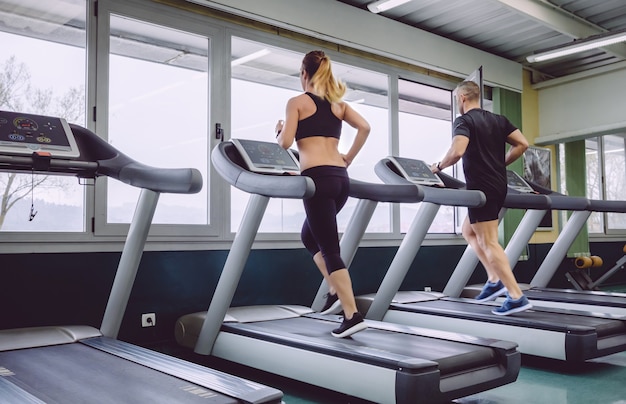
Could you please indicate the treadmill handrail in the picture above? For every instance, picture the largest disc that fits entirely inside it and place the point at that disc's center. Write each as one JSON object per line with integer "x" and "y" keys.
{"x": 454, "y": 197}
{"x": 519, "y": 200}
{"x": 451, "y": 182}
{"x": 602, "y": 205}
{"x": 99, "y": 158}
{"x": 572, "y": 203}
{"x": 229, "y": 164}
{"x": 385, "y": 170}
{"x": 514, "y": 199}
{"x": 407, "y": 192}
{"x": 115, "y": 164}
{"x": 20, "y": 164}
{"x": 560, "y": 201}
{"x": 441, "y": 196}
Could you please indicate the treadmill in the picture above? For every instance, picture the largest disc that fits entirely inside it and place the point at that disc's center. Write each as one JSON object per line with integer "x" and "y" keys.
{"x": 538, "y": 292}
{"x": 82, "y": 364}
{"x": 553, "y": 333}
{"x": 386, "y": 363}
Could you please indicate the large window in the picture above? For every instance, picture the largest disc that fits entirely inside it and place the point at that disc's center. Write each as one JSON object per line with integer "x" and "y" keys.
{"x": 615, "y": 174}
{"x": 42, "y": 71}
{"x": 158, "y": 112}
{"x": 425, "y": 134}
{"x": 595, "y": 223}
{"x": 263, "y": 79}
{"x": 152, "y": 84}
{"x": 605, "y": 179}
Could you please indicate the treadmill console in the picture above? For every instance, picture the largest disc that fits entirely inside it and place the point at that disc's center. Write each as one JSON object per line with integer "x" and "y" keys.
{"x": 416, "y": 171}
{"x": 266, "y": 157}
{"x": 516, "y": 182}
{"x": 27, "y": 134}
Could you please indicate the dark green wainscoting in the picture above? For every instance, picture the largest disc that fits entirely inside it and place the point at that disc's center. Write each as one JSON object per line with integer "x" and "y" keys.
{"x": 72, "y": 288}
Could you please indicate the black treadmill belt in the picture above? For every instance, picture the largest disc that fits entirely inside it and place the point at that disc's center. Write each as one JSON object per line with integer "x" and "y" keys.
{"x": 545, "y": 319}
{"x": 76, "y": 373}
{"x": 391, "y": 347}
{"x": 590, "y": 298}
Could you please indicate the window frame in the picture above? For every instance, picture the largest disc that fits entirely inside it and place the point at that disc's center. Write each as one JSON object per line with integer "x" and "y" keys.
{"x": 217, "y": 234}
{"x": 46, "y": 241}
{"x": 608, "y": 231}
{"x": 607, "y": 234}
{"x": 394, "y": 74}
{"x": 177, "y": 20}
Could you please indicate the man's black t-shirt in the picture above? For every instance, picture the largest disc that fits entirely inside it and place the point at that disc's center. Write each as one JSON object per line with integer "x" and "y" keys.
{"x": 483, "y": 161}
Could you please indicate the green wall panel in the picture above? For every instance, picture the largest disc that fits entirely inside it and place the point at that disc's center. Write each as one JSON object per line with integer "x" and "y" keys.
{"x": 509, "y": 104}
{"x": 576, "y": 183}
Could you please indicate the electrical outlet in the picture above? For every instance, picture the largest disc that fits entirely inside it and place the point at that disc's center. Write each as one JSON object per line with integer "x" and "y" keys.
{"x": 148, "y": 320}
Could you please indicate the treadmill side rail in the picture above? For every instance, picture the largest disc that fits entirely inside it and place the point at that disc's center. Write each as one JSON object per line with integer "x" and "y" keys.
{"x": 249, "y": 392}
{"x": 21, "y": 338}
{"x": 10, "y": 393}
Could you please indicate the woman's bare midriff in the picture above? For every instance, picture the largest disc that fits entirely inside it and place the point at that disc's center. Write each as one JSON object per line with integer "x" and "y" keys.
{"x": 319, "y": 151}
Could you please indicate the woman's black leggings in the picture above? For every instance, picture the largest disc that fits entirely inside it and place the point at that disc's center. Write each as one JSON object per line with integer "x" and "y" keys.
{"x": 319, "y": 231}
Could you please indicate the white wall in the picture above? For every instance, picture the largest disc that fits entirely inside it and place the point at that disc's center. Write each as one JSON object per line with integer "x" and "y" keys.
{"x": 583, "y": 108}
{"x": 347, "y": 25}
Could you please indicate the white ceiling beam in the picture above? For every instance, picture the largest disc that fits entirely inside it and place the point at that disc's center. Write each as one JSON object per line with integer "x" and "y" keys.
{"x": 561, "y": 20}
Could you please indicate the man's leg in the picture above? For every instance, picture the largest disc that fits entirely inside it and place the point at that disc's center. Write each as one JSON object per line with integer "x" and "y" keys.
{"x": 472, "y": 240}
{"x": 495, "y": 260}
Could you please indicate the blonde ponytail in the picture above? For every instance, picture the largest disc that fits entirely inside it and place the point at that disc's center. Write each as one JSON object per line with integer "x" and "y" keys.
{"x": 317, "y": 65}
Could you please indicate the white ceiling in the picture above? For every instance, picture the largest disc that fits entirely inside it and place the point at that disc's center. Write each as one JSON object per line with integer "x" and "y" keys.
{"x": 514, "y": 29}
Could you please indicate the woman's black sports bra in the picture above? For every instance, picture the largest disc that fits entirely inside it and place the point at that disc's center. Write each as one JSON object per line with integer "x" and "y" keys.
{"x": 322, "y": 123}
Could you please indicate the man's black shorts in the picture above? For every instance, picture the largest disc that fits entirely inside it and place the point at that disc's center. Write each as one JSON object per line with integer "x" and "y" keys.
{"x": 490, "y": 210}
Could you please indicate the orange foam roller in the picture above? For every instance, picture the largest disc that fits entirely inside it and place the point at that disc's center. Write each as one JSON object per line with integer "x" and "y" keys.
{"x": 583, "y": 262}
{"x": 596, "y": 261}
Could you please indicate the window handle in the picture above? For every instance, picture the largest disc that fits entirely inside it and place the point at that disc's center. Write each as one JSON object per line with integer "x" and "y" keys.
{"x": 219, "y": 132}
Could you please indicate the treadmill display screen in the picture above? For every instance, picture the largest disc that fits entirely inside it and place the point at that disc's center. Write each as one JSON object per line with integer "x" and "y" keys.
{"x": 27, "y": 133}
{"x": 416, "y": 171}
{"x": 266, "y": 157}
{"x": 516, "y": 182}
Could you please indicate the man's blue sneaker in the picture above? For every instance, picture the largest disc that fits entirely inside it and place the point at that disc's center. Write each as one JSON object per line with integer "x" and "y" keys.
{"x": 491, "y": 291}
{"x": 511, "y": 306}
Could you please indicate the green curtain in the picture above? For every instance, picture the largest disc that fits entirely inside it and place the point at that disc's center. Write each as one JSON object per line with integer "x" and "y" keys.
{"x": 576, "y": 183}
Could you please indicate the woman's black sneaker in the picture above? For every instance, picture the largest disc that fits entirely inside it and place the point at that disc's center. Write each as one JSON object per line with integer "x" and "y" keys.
{"x": 349, "y": 327}
{"x": 332, "y": 305}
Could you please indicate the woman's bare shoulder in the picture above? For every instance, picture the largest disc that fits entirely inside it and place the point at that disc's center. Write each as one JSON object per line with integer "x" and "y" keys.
{"x": 339, "y": 108}
{"x": 300, "y": 99}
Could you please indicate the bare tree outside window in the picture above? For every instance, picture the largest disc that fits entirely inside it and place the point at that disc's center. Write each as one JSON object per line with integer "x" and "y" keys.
{"x": 614, "y": 159}
{"x": 17, "y": 94}
{"x": 595, "y": 223}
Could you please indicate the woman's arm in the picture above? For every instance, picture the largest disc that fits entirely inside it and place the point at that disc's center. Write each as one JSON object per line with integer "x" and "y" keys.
{"x": 286, "y": 131}
{"x": 355, "y": 120}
